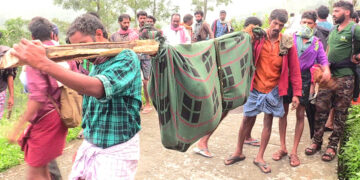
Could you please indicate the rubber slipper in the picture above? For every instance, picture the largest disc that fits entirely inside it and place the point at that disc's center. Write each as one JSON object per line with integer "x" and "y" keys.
{"x": 294, "y": 160}
{"x": 311, "y": 151}
{"x": 262, "y": 166}
{"x": 234, "y": 159}
{"x": 202, "y": 152}
{"x": 330, "y": 155}
{"x": 278, "y": 155}
{"x": 146, "y": 110}
{"x": 254, "y": 142}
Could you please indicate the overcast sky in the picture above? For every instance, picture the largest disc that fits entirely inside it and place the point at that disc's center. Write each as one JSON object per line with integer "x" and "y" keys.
{"x": 239, "y": 8}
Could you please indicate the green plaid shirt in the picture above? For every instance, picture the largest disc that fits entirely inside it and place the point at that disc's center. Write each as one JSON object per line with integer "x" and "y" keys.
{"x": 115, "y": 118}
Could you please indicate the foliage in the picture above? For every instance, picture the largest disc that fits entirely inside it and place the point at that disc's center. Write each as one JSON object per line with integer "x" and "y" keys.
{"x": 108, "y": 10}
{"x": 10, "y": 155}
{"x": 162, "y": 9}
{"x": 136, "y": 5}
{"x": 349, "y": 154}
{"x": 238, "y": 25}
{"x": 205, "y": 5}
{"x": 14, "y": 30}
{"x": 73, "y": 133}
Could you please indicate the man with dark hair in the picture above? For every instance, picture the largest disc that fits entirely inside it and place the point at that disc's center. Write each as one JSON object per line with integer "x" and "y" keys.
{"x": 112, "y": 100}
{"x": 141, "y": 17}
{"x": 276, "y": 63}
{"x": 187, "y": 23}
{"x": 55, "y": 34}
{"x": 252, "y": 20}
{"x": 175, "y": 33}
{"x": 221, "y": 26}
{"x": 355, "y": 17}
{"x": 97, "y": 16}
{"x": 202, "y": 29}
{"x": 124, "y": 33}
{"x": 44, "y": 92}
{"x": 343, "y": 59}
{"x": 151, "y": 20}
{"x": 323, "y": 13}
{"x": 310, "y": 51}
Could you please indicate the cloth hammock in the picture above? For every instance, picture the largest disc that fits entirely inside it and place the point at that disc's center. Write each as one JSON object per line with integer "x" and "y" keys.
{"x": 192, "y": 85}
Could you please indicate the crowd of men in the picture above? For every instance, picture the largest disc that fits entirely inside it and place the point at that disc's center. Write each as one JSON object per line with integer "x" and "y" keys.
{"x": 111, "y": 87}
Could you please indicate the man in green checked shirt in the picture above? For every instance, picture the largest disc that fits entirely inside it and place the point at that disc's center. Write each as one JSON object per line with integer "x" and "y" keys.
{"x": 112, "y": 101}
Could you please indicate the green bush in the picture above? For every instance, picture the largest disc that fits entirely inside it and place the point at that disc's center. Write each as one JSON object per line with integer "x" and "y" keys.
{"x": 10, "y": 155}
{"x": 349, "y": 154}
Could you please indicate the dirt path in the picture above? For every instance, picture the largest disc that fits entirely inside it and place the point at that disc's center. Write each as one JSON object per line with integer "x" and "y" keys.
{"x": 157, "y": 162}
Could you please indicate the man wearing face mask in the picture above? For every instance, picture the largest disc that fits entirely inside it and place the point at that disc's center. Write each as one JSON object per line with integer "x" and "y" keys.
{"x": 343, "y": 60}
{"x": 276, "y": 64}
{"x": 309, "y": 50}
{"x": 202, "y": 30}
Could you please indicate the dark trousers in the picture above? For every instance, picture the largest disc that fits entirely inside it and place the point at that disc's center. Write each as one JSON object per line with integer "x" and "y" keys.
{"x": 340, "y": 99}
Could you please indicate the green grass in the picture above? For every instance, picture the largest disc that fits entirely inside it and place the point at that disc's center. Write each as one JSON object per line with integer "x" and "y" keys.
{"x": 349, "y": 156}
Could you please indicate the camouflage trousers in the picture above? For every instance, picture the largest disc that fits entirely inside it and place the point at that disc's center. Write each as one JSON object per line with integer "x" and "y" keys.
{"x": 339, "y": 98}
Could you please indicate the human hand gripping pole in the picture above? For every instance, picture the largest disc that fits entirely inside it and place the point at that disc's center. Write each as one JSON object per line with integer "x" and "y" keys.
{"x": 32, "y": 53}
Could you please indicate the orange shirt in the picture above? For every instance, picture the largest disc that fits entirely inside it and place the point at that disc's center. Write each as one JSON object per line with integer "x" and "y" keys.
{"x": 268, "y": 67}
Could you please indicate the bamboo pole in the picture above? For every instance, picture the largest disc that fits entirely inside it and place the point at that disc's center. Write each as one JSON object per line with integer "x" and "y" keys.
{"x": 86, "y": 51}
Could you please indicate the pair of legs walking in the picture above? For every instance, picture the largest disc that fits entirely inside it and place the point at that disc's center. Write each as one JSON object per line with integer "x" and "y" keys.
{"x": 340, "y": 99}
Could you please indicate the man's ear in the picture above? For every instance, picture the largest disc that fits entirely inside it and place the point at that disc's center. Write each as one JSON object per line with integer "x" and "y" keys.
{"x": 99, "y": 36}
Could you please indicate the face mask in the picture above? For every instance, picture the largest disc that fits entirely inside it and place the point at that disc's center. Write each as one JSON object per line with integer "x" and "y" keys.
{"x": 305, "y": 32}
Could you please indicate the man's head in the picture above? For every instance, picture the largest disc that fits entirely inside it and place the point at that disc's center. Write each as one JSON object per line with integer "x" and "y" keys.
{"x": 188, "y": 19}
{"x": 86, "y": 28}
{"x": 309, "y": 18}
{"x": 97, "y": 16}
{"x": 252, "y": 20}
{"x": 141, "y": 17}
{"x": 343, "y": 10}
{"x": 199, "y": 14}
{"x": 355, "y": 17}
{"x": 175, "y": 20}
{"x": 124, "y": 21}
{"x": 277, "y": 19}
{"x": 222, "y": 15}
{"x": 40, "y": 28}
{"x": 323, "y": 12}
{"x": 55, "y": 33}
{"x": 151, "y": 20}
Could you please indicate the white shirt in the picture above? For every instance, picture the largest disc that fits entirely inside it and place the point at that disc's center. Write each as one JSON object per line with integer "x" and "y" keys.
{"x": 173, "y": 37}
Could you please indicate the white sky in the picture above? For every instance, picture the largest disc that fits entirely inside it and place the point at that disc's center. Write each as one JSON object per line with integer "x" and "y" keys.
{"x": 239, "y": 8}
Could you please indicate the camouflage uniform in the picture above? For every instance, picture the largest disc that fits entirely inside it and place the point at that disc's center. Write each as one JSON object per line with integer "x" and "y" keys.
{"x": 340, "y": 99}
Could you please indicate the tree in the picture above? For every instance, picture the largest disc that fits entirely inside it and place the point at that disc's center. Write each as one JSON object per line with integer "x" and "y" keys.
{"x": 15, "y": 29}
{"x": 136, "y": 5}
{"x": 204, "y": 5}
{"x": 162, "y": 9}
{"x": 108, "y": 10}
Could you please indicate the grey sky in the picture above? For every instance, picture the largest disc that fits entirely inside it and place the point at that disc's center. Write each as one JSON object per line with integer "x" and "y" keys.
{"x": 238, "y": 9}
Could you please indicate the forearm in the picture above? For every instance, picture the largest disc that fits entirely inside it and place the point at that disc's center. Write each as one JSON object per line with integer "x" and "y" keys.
{"x": 83, "y": 84}
{"x": 10, "y": 81}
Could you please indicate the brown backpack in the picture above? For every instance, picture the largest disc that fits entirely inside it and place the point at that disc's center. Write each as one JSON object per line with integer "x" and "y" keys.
{"x": 70, "y": 107}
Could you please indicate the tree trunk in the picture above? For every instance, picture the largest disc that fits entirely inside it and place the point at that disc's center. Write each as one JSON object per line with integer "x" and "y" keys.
{"x": 205, "y": 9}
{"x": 98, "y": 7}
{"x": 135, "y": 10}
{"x": 154, "y": 9}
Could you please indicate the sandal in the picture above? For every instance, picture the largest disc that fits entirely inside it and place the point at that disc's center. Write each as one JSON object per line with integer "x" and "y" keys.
{"x": 294, "y": 160}
{"x": 253, "y": 142}
{"x": 233, "y": 160}
{"x": 279, "y": 155}
{"x": 311, "y": 151}
{"x": 263, "y": 167}
{"x": 330, "y": 156}
{"x": 203, "y": 152}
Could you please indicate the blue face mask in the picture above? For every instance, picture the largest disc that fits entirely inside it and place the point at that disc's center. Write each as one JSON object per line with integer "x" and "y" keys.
{"x": 305, "y": 32}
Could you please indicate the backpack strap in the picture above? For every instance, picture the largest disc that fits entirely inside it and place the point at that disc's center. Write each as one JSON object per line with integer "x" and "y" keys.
{"x": 54, "y": 103}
